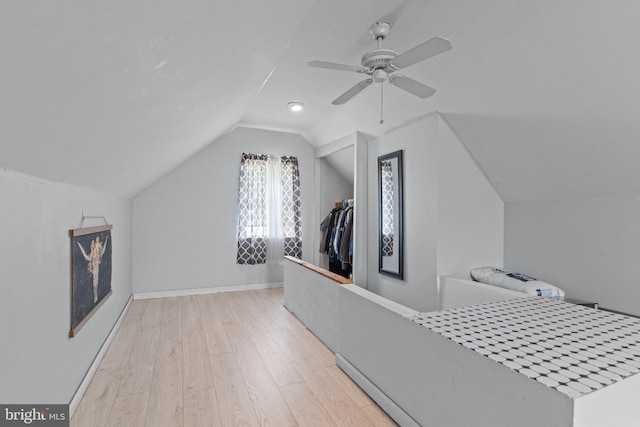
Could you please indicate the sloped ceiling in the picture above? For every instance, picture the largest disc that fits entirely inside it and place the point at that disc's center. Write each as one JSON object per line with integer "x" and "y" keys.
{"x": 114, "y": 94}
{"x": 342, "y": 162}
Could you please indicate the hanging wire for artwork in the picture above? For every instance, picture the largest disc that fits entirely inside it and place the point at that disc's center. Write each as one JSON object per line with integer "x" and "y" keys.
{"x": 85, "y": 217}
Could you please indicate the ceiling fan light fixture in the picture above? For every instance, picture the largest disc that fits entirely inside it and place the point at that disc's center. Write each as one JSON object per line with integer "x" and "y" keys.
{"x": 379, "y": 75}
{"x": 295, "y": 106}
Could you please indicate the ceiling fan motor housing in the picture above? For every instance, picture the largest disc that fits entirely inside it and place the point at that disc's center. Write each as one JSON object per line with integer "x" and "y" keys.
{"x": 378, "y": 58}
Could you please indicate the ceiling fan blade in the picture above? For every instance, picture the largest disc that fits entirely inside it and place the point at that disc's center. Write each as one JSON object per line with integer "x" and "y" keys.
{"x": 413, "y": 87}
{"x": 352, "y": 92}
{"x": 430, "y": 48}
{"x": 335, "y": 66}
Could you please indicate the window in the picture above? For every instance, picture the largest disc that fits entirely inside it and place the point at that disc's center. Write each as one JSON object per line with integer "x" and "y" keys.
{"x": 269, "y": 209}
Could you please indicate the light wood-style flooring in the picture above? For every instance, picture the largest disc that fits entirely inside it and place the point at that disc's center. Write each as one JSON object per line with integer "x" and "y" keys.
{"x": 228, "y": 359}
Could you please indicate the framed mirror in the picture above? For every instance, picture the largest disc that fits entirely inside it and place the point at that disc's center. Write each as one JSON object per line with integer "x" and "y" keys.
{"x": 390, "y": 214}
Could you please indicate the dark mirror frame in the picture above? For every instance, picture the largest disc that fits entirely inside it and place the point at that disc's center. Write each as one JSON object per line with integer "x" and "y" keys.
{"x": 398, "y": 233}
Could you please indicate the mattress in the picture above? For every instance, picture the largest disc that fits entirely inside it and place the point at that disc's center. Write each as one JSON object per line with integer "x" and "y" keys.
{"x": 571, "y": 349}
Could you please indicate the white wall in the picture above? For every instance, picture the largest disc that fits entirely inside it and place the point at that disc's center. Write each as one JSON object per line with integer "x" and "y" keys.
{"x": 186, "y": 223}
{"x": 419, "y": 144}
{"x": 590, "y": 248}
{"x": 39, "y": 363}
{"x": 361, "y": 220}
{"x": 453, "y": 219}
{"x": 333, "y": 187}
{"x": 470, "y": 212}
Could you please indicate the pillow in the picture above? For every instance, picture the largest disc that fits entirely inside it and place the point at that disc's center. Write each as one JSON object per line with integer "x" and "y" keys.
{"x": 515, "y": 281}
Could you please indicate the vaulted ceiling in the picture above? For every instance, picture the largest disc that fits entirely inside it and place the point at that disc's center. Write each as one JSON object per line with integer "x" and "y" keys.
{"x": 112, "y": 95}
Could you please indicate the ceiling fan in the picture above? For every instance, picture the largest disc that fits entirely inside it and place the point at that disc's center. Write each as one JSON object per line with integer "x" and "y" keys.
{"x": 381, "y": 64}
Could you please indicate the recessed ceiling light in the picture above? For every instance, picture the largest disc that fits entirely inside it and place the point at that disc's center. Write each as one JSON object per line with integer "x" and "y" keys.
{"x": 295, "y": 106}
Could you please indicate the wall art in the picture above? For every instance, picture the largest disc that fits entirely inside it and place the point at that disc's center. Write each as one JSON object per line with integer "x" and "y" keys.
{"x": 90, "y": 272}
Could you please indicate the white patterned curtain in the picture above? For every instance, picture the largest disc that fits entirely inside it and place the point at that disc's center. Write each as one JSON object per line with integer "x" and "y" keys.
{"x": 252, "y": 209}
{"x": 291, "y": 207}
{"x": 269, "y": 209}
{"x": 275, "y": 239}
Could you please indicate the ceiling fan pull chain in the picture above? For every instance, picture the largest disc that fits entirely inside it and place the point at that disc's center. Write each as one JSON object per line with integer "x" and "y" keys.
{"x": 381, "y": 102}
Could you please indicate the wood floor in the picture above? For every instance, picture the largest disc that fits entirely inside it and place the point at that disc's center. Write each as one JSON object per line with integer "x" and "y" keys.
{"x": 229, "y": 359}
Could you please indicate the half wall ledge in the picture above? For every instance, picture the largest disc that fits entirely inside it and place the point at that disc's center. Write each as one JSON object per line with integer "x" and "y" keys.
{"x": 326, "y": 273}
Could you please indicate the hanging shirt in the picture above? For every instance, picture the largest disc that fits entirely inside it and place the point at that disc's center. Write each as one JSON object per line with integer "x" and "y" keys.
{"x": 346, "y": 239}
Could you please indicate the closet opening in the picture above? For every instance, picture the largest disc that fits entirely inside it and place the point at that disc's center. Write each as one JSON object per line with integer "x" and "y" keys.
{"x": 335, "y": 173}
{"x": 341, "y": 177}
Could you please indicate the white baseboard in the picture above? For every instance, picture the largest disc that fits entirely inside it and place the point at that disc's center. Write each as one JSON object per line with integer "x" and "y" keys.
{"x": 388, "y": 405}
{"x": 203, "y": 291}
{"x": 82, "y": 388}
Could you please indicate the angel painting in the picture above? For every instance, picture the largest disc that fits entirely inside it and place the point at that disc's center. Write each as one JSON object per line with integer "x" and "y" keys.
{"x": 94, "y": 259}
{"x": 91, "y": 267}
